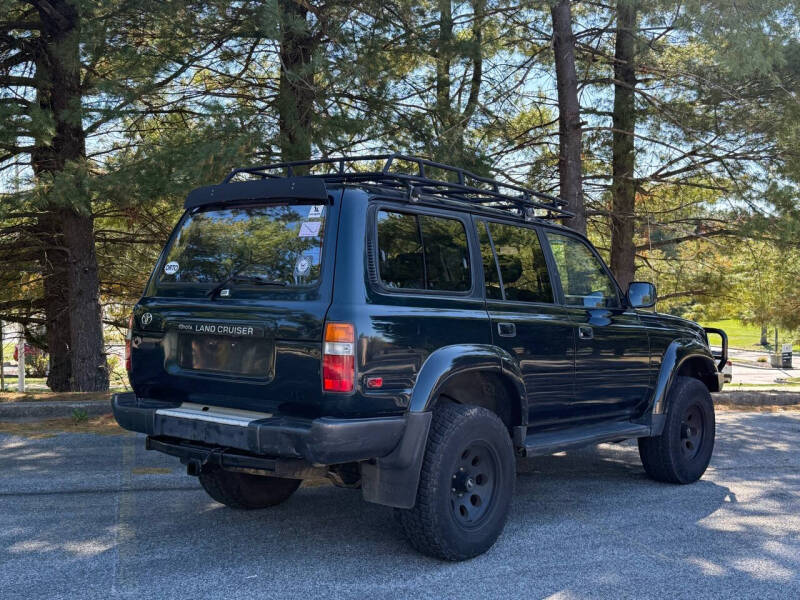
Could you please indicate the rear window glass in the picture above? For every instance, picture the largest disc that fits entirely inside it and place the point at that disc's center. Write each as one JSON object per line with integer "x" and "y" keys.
{"x": 276, "y": 244}
{"x": 422, "y": 252}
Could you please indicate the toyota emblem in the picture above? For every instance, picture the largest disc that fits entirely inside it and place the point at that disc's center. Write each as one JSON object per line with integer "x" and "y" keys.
{"x": 146, "y": 319}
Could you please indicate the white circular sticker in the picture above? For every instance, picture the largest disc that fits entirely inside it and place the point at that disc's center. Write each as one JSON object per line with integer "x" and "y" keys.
{"x": 302, "y": 266}
{"x": 171, "y": 268}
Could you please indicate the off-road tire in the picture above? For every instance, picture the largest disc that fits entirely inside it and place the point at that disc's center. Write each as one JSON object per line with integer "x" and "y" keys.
{"x": 681, "y": 454}
{"x": 246, "y": 492}
{"x": 443, "y": 524}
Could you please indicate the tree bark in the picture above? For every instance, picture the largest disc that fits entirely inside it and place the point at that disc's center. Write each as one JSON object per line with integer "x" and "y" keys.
{"x": 297, "y": 87}
{"x": 623, "y": 189}
{"x": 56, "y": 302}
{"x": 569, "y": 119}
{"x": 763, "y": 341}
{"x": 69, "y": 263}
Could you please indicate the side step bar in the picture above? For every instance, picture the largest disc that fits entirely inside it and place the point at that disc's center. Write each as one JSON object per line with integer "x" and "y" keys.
{"x": 548, "y": 442}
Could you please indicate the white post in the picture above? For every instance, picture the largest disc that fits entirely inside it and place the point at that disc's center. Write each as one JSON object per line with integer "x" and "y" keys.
{"x": 21, "y": 362}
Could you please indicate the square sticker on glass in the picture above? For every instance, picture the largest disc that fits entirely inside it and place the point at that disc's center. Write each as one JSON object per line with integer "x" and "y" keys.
{"x": 316, "y": 211}
{"x": 309, "y": 229}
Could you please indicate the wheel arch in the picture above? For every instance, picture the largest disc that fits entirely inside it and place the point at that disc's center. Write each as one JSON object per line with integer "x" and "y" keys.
{"x": 455, "y": 371}
{"x": 683, "y": 357}
{"x": 393, "y": 480}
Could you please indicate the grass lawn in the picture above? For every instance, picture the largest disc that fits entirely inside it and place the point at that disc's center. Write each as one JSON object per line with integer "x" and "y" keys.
{"x": 745, "y": 337}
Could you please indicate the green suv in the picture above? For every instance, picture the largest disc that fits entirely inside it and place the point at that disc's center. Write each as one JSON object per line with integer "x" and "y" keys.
{"x": 407, "y": 328}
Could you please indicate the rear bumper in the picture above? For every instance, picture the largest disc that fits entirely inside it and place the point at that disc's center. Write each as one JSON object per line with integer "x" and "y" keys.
{"x": 322, "y": 441}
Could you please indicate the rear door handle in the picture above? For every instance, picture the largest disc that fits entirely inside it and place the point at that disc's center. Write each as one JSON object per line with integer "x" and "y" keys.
{"x": 585, "y": 332}
{"x": 506, "y": 329}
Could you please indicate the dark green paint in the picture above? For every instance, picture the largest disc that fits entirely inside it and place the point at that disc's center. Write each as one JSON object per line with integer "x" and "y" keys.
{"x": 418, "y": 341}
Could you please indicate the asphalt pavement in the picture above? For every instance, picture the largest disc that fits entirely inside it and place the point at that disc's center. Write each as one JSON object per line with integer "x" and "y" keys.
{"x": 97, "y": 516}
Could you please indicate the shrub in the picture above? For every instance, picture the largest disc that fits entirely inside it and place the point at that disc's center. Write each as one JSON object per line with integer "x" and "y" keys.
{"x": 36, "y": 366}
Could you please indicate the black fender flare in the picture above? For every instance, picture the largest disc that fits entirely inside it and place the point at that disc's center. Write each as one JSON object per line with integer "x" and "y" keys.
{"x": 677, "y": 353}
{"x": 451, "y": 361}
{"x": 393, "y": 479}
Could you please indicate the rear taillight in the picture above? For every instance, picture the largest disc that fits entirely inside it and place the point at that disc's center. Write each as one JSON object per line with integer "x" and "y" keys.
{"x": 338, "y": 358}
{"x": 128, "y": 337}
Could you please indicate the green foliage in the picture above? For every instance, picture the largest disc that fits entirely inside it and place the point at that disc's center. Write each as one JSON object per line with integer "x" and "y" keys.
{"x": 36, "y": 366}
{"x": 174, "y": 94}
{"x": 79, "y": 416}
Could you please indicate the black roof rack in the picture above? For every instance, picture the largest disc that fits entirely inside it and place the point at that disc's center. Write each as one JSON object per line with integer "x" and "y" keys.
{"x": 467, "y": 187}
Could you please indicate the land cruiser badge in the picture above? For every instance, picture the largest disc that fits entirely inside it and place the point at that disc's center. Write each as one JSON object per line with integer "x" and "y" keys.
{"x": 171, "y": 268}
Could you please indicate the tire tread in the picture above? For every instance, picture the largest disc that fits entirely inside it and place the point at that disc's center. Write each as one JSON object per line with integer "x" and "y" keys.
{"x": 421, "y": 523}
{"x": 660, "y": 454}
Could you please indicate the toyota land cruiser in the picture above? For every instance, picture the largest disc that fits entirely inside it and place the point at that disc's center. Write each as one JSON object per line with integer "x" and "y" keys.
{"x": 408, "y": 328}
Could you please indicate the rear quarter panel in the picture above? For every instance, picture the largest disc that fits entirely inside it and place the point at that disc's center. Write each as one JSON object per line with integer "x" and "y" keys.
{"x": 396, "y": 331}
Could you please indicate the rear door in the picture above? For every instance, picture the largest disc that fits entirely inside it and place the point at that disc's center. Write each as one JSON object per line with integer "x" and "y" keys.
{"x": 612, "y": 350}
{"x": 526, "y": 321}
{"x": 234, "y": 311}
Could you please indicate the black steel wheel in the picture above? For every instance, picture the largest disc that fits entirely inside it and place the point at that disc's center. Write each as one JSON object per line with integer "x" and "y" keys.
{"x": 683, "y": 450}
{"x": 465, "y": 486}
{"x": 692, "y": 429}
{"x": 474, "y": 484}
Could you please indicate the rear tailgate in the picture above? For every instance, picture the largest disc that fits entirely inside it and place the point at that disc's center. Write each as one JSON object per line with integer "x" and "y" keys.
{"x": 248, "y": 345}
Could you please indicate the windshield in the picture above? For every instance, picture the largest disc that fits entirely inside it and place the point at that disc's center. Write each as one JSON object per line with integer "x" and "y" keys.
{"x": 276, "y": 244}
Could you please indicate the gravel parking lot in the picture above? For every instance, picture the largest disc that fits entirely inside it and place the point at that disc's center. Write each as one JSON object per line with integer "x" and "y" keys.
{"x": 97, "y": 516}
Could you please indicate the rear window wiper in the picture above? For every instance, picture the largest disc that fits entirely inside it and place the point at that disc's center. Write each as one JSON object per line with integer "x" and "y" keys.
{"x": 259, "y": 280}
{"x": 236, "y": 277}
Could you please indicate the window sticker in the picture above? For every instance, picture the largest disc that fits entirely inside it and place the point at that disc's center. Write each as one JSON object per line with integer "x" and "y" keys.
{"x": 316, "y": 211}
{"x": 302, "y": 266}
{"x": 171, "y": 268}
{"x": 309, "y": 229}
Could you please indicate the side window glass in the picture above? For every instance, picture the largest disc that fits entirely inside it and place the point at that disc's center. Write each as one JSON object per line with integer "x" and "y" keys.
{"x": 400, "y": 251}
{"x": 490, "y": 277}
{"x": 446, "y": 254}
{"x": 523, "y": 268}
{"x": 421, "y": 252}
{"x": 583, "y": 279}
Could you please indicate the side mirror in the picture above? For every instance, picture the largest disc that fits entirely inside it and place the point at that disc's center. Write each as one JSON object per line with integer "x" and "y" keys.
{"x": 641, "y": 294}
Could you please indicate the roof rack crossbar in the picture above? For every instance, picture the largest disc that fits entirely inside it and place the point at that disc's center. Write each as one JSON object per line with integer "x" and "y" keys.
{"x": 460, "y": 189}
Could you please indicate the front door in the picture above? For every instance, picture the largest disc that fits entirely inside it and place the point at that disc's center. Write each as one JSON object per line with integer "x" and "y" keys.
{"x": 612, "y": 350}
{"x": 526, "y": 321}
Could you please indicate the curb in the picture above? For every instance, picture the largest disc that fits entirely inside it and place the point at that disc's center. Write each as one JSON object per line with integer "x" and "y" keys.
{"x": 93, "y": 408}
{"x": 757, "y": 398}
{"x": 52, "y": 410}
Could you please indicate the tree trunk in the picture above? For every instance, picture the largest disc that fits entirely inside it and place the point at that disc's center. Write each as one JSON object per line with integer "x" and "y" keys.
{"x": 445, "y": 146}
{"x": 56, "y": 303}
{"x": 69, "y": 263}
{"x": 450, "y": 146}
{"x": 623, "y": 190}
{"x": 763, "y": 341}
{"x": 569, "y": 119}
{"x": 297, "y": 86}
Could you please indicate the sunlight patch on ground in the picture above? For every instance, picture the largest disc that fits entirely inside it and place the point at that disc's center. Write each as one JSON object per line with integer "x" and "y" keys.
{"x": 707, "y": 567}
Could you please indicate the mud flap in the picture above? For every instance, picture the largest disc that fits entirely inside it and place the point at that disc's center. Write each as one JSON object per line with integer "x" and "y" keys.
{"x": 393, "y": 479}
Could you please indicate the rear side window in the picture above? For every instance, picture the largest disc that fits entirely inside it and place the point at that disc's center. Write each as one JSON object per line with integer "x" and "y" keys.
{"x": 422, "y": 252}
{"x": 523, "y": 269}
